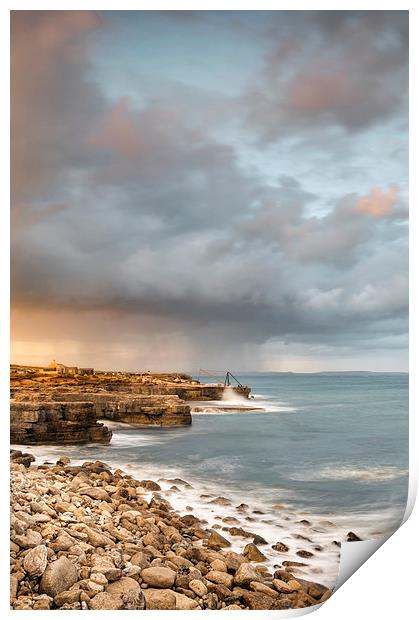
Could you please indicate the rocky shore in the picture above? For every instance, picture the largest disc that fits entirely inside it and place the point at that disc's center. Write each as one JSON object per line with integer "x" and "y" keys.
{"x": 88, "y": 537}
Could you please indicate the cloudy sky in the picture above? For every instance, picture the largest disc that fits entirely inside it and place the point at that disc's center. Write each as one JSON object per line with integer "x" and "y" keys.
{"x": 217, "y": 189}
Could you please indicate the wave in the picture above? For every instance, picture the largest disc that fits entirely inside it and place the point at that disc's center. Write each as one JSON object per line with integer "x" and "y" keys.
{"x": 367, "y": 474}
{"x": 233, "y": 404}
{"x": 232, "y": 411}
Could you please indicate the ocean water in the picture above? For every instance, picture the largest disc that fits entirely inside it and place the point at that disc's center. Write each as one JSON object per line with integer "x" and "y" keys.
{"x": 328, "y": 449}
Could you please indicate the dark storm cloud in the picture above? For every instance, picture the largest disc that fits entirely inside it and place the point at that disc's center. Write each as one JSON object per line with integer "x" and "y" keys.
{"x": 145, "y": 220}
{"x": 52, "y": 102}
{"x": 351, "y": 73}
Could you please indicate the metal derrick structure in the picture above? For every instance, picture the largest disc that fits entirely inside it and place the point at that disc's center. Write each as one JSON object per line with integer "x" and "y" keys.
{"x": 227, "y": 379}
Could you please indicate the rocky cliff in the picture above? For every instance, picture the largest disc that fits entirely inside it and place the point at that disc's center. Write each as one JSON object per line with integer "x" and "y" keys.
{"x": 65, "y": 409}
{"x": 123, "y": 406}
{"x": 53, "y": 422}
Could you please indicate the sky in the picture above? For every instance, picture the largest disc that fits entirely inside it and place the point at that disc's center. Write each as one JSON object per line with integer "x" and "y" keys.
{"x": 217, "y": 189}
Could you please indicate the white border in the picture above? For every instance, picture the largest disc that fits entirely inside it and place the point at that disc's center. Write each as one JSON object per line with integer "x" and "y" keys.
{"x": 386, "y": 585}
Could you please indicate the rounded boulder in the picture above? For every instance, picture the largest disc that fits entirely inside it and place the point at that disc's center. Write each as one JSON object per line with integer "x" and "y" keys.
{"x": 158, "y": 576}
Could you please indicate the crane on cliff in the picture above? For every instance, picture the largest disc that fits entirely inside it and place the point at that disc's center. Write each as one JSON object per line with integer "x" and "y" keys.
{"x": 227, "y": 379}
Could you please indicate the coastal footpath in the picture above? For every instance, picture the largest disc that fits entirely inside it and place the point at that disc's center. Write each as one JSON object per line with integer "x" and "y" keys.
{"x": 89, "y": 537}
{"x": 60, "y": 404}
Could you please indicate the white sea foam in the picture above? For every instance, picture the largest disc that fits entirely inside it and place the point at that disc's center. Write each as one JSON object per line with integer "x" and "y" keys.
{"x": 245, "y": 406}
{"x": 361, "y": 474}
{"x": 230, "y": 395}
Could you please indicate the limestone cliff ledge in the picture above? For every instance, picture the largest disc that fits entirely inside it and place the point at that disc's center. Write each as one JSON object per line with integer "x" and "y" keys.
{"x": 53, "y": 422}
{"x": 123, "y": 407}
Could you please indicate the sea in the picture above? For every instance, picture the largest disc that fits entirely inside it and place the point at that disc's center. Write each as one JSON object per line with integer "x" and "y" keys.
{"x": 324, "y": 454}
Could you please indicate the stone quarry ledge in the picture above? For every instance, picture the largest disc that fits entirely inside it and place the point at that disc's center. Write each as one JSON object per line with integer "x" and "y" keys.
{"x": 183, "y": 386}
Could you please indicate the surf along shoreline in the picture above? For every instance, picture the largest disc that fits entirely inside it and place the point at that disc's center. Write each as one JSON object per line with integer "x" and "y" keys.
{"x": 52, "y": 402}
{"x": 91, "y": 537}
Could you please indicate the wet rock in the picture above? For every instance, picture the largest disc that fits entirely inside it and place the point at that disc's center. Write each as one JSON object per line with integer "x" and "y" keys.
{"x": 36, "y": 561}
{"x": 21, "y": 458}
{"x": 216, "y": 540}
{"x": 281, "y": 547}
{"x": 239, "y": 531}
{"x": 293, "y": 563}
{"x": 58, "y": 576}
{"x": 158, "y": 576}
{"x": 259, "y": 540}
{"x": 304, "y": 554}
{"x": 157, "y": 501}
{"x": 150, "y": 485}
{"x": 253, "y": 554}
{"x": 242, "y": 507}
{"x": 104, "y": 600}
{"x": 230, "y": 520}
{"x": 352, "y": 537}
{"x": 220, "y": 501}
